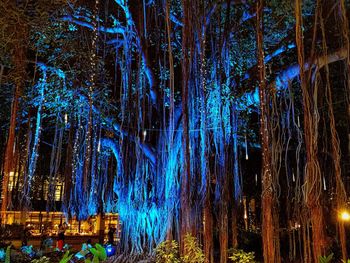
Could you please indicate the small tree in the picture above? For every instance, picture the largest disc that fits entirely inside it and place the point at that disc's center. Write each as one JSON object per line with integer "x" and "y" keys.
{"x": 193, "y": 252}
{"x": 167, "y": 252}
{"x": 240, "y": 256}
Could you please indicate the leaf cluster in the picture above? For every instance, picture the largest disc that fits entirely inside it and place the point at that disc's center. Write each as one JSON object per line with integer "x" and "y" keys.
{"x": 240, "y": 256}
{"x": 168, "y": 251}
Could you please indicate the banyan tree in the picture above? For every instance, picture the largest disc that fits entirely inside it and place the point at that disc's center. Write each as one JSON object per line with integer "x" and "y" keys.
{"x": 179, "y": 115}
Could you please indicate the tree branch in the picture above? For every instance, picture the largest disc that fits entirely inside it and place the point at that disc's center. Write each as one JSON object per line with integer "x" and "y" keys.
{"x": 121, "y": 132}
{"x": 287, "y": 75}
{"x": 293, "y": 71}
{"x": 154, "y": 93}
{"x": 110, "y": 30}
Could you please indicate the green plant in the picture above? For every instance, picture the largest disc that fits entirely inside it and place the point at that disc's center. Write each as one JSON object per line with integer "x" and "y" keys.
{"x": 193, "y": 252}
{"x": 99, "y": 253}
{"x": 41, "y": 260}
{"x": 66, "y": 257}
{"x": 326, "y": 259}
{"x": 167, "y": 252}
{"x": 8, "y": 254}
{"x": 346, "y": 261}
{"x": 240, "y": 256}
{"x": 102, "y": 255}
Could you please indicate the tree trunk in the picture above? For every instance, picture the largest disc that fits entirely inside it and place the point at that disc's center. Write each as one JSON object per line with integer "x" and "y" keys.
{"x": 208, "y": 228}
{"x": 186, "y": 176}
{"x": 340, "y": 189}
{"x": 20, "y": 72}
{"x": 269, "y": 233}
{"x": 236, "y": 181}
{"x": 313, "y": 178}
{"x": 223, "y": 231}
{"x": 9, "y": 153}
{"x": 234, "y": 225}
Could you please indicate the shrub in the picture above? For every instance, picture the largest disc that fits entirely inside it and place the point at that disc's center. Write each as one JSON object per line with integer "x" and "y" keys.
{"x": 240, "y": 256}
{"x": 8, "y": 254}
{"x": 41, "y": 260}
{"x": 326, "y": 259}
{"x": 99, "y": 253}
{"x": 193, "y": 252}
{"x": 167, "y": 252}
{"x": 66, "y": 257}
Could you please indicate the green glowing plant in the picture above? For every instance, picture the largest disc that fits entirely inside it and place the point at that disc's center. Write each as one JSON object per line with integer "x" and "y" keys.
{"x": 167, "y": 252}
{"x": 193, "y": 252}
{"x": 66, "y": 257}
{"x": 41, "y": 260}
{"x": 326, "y": 259}
{"x": 8, "y": 254}
{"x": 240, "y": 256}
{"x": 99, "y": 253}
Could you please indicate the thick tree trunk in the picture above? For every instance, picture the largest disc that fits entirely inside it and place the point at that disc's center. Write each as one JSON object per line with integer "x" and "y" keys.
{"x": 236, "y": 180}
{"x": 68, "y": 166}
{"x": 19, "y": 63}
{"x": 9, "y": 153}
{"x": 234, "y": 225}
{"x": 340, "y": 189}
{"x": 208, "y": 229}
{"x": 186, "y": 176}
{"x": 224, "y": 212}
{"x": 318, "y": 234}
{"x": 313, "y": 178}
{"x": 223, "y": 232}
{"x": 269, "y": 233}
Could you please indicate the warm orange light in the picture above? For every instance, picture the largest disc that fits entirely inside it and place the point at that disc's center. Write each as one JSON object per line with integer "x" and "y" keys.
{"x": 344, "y": 215}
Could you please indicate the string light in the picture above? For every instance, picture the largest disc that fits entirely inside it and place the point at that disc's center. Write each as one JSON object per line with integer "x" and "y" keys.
{"x": 298, "y": 121}
{"x": 99, "y": 146}
{"x": 246, "y": 148}
{"x": 93, "y": 63}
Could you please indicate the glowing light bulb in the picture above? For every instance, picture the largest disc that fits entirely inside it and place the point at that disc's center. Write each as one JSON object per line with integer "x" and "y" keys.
{"x": 144, "y": 134}
{"x": 344, "y": 215}
{"x": 65, "y": 118}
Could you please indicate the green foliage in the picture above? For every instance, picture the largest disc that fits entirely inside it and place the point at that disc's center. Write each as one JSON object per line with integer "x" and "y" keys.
{"x": 102, "y": 252}
{"x": 326, "y": 259}
{"x": 41, "y": 260}
{"x": 66, "y": 257}
{"x": 346, "y": 261}
{"x": 8, "y": 254}
{"x": 193, "y": 252}
{"x": 240, "y": 256}
{"x": 99, "y": 253}
{"x": 167, "y": 252}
